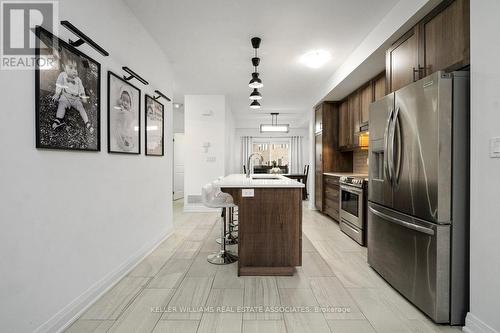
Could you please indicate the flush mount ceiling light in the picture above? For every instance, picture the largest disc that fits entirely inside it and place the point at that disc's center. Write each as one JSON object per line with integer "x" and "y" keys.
{"x": 315, "y": 58}
{"x": 274, "y": 126}
{"x": 255, "y": 95}
{"x": 255, "y": 105}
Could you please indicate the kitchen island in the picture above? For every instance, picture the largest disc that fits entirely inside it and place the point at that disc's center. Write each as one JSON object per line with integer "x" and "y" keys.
{"x": 269, "y": 223}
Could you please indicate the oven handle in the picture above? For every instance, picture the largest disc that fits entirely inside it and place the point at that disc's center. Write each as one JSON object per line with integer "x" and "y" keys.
{"x": 351, "y": 189}
{"x": 408, "y": 225}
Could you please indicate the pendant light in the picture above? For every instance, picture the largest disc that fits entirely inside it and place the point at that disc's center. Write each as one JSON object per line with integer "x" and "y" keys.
{"x": 255, "y": 95}
{"x": 255, "y": 82}
{"x": 274, "y": 126}
{"x": 255, "y": 105}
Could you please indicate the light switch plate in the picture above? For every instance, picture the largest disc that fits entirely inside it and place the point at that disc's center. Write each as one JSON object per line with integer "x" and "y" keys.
{"x": 495, "y": 147}
{"x": 247, "y": 192}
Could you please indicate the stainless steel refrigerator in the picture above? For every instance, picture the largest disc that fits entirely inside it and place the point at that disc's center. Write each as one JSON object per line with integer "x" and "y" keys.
{"x": 418, "y": 193}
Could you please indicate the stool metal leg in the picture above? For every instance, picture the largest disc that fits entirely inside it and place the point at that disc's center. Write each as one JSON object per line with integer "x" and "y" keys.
{"x": 231, "y": 236}
{"x": 224, "y": 256}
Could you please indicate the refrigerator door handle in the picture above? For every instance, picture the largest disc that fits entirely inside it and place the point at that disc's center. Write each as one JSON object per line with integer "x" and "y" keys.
{"x": 387, "y": 164}
{"x": 405, "y": 224}
{"x": 397, "y": 134}
{"x": 390, "y": 144}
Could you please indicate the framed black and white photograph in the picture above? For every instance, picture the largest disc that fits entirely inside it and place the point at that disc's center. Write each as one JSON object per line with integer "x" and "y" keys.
{"x": 124, "y": 116}
{"x": 154, "y": 127}
{"x": 67, "y": 96}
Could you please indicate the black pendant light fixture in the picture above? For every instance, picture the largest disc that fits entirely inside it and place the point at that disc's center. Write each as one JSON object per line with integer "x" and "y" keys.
{"x": 255, "y": 105}
{"x": 255, "y": 95}
{"x": 255, "y": 82}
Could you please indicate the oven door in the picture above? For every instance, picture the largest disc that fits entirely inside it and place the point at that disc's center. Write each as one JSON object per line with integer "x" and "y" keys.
{"x": 351, "y": 205}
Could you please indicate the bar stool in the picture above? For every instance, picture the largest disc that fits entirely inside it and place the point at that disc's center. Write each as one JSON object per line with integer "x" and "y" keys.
{"x": 232, "y": 223}
{"x": 213, "y": 198}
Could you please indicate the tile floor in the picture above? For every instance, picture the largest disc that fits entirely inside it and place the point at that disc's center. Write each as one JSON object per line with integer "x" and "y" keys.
{"x": 176, "y": 274}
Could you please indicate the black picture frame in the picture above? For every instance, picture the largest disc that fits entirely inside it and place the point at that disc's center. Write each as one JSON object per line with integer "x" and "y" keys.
{"x": 74, "y": 135}
{"x": 113, "y": 150}
{"x": 149, "y": 101}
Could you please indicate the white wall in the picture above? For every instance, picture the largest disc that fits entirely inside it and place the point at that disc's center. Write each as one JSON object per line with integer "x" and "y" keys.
{"x": 198, "y": 129}
{"x": 72, "y": 222}
{"x": 178, "y": 119}
{"x": 485, "y": 182}
{"x": 230, "y": 142}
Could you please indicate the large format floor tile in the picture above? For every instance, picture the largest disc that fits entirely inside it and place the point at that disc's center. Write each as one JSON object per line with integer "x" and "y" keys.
{"x": 111, "y": 305}
{"x": 139, "y": 316}
{"x": 175, "y": 290}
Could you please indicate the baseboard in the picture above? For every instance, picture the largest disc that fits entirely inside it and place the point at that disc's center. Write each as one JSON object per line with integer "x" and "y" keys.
{"x": 71, "y": 312}
{"x": 475, "y": 325}
{"x": 199, "y": 208}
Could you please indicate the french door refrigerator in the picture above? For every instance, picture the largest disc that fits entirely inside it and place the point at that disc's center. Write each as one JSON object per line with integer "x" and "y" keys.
{"x": 418, "y": 193}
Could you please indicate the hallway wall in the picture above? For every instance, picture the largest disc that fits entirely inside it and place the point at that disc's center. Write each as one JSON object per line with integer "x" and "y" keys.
{"x": 485, "y": 183}
{"x": 73, "y": 222}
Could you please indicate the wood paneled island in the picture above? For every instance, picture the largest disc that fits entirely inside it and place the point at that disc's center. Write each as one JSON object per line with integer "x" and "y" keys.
{"x": 269, "y": 223}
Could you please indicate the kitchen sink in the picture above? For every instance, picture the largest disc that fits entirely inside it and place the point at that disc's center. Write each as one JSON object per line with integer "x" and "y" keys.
{"x": 266, "y": 177}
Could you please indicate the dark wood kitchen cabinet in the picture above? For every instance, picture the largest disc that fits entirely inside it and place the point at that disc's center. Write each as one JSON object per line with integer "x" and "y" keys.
{"x": 440, "y": 41}
{"x": 332, "y": 196}
{"x": 366, "y": 95}
{"x": 379, "y": 87}
{"x": 353, "y": 104}
{"x": 326, "y": 142}
{"x": 402, "y": 61}
{"x": 444, "y": 38}
{"x": 345, "y": 126}
{"x": 327, "y": 156}
{"x": 318, "y": 173}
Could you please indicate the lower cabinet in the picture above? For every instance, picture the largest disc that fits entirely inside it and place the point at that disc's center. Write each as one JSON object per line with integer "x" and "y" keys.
{"x": 331, "y": 195}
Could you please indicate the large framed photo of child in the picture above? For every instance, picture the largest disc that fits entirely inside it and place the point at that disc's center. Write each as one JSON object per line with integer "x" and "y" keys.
{"x": 154, "y": 127}
{"x": 67, "y": 96}
{"x": 124, "y": 122}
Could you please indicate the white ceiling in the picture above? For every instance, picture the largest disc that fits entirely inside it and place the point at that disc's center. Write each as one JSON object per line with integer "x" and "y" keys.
{"x": 208, "y": 44}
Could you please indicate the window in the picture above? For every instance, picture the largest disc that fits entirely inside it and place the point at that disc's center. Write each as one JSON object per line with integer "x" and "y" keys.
{"x": 272, "y": 151}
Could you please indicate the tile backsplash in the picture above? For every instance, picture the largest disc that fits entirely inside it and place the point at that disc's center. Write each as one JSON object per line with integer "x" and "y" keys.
{"x": 360, "y": 161}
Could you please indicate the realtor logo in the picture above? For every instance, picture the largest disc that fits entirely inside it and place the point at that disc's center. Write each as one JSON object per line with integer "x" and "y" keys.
{"x": 19, "y": 19}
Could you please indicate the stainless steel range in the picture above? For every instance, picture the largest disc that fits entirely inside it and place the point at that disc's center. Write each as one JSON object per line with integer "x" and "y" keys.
{"x": 353, "y": 207}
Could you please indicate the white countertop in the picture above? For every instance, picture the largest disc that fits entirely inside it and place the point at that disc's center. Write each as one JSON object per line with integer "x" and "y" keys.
{"x": 347, "y": 174}
{"x": 265, "y": 180}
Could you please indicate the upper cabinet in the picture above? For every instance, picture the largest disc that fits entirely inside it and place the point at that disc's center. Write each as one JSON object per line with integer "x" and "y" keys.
{"x": 366, "y": 95}
{"x": 445, "y": 37}
{"x": 379, "y": 87}
{"x": 345, "y": 136}
{"x": 439, "y": 42}
{"x": 401, "y": 61}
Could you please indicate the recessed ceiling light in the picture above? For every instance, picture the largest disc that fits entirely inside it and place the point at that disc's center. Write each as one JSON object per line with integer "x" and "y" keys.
{"x": 315, "y": 58}
{"x": 177, "y": 105}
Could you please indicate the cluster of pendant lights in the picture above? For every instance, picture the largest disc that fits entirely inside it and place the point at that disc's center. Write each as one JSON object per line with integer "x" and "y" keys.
{"x": 255, "y": 82}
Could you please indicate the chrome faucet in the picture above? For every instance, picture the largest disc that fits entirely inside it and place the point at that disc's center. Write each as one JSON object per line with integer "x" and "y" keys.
{"x": 248, "y": 162}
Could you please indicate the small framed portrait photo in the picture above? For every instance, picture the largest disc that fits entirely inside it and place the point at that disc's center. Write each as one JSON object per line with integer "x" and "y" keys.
{"x": 67, "y": 95}
{"x": 124, "y": 120}
{"x": 155, "y": 121}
